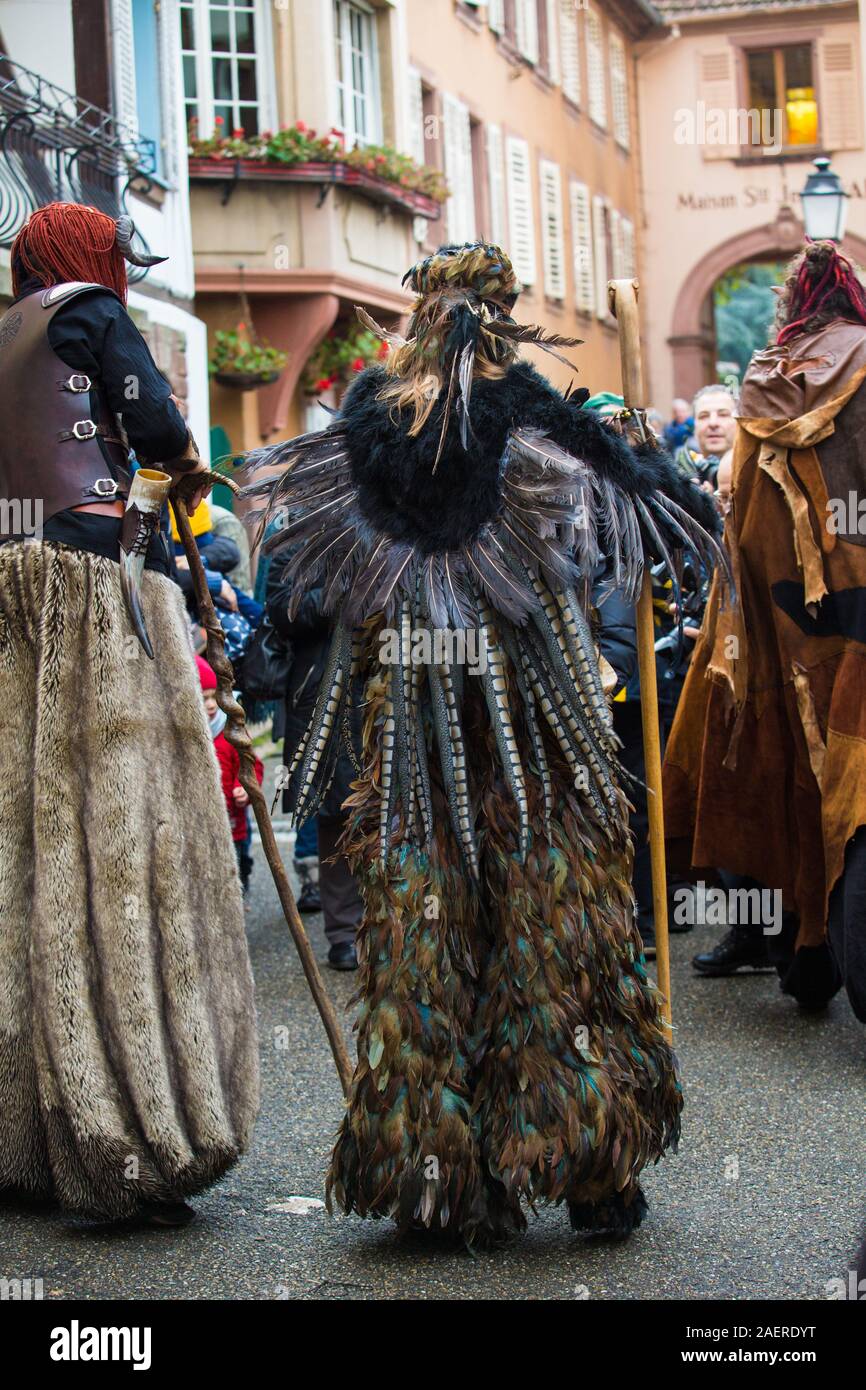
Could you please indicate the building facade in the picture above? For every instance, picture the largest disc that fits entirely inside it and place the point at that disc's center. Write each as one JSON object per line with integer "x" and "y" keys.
{"x": 523, "y": 109}
{"x": 91, "y": 111}
{"x": 734, "y": 104}
{"x": 528, "y": 108}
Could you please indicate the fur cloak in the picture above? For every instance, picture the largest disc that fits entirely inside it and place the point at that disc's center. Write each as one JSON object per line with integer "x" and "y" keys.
{"x": 128, "y": 1054}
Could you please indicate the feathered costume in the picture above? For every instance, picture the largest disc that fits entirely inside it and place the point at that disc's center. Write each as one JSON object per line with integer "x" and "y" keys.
{"x": 509, "y": 1041}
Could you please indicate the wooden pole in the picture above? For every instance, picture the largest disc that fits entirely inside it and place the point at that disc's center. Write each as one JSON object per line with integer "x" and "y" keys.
{"x": 238, "y": 736}
{"x": 622, "y": 297}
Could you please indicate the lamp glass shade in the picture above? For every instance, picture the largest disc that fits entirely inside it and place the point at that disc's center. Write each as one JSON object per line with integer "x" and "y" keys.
{"x": 825, "y": 204}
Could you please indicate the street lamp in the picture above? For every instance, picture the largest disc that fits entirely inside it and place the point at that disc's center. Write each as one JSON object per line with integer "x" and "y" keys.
{"x": 824, "y": 204}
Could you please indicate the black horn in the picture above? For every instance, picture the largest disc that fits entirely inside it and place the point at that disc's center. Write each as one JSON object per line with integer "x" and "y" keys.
{"x": 123, "y": 241}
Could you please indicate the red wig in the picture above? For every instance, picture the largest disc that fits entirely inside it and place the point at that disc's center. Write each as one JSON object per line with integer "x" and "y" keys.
{"x": 66, "y": 241}
{"x": 822, "y": 285}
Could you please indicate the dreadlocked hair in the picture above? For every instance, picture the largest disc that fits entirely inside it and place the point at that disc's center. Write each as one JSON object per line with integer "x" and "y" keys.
{"x": 821, "y": 285}
{"x": 68, "y": 241}
{"x": 461, "y": 290}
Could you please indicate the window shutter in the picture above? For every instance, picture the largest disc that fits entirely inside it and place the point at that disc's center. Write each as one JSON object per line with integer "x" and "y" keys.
{"x": 619, "y": 91}
{"x": 125, "y": 96}
{"x": 553, "y": 64}
{"x": 527, "y": 29}
{"x": 569, "y": 49}
{"x": 581, "y": 237}
{"x": 458, "y": 169}
{"x": 599, "y": 238}
{"x": 717, "y": 90}
{"x": 597, "y": 102}
{"x": 416, "y": 117}
{"x": 839, "y": 106}
{"x": 496, "y": 176}
{"x": 551, "y": 229}
{"x": 616, "y": 246}
{"x": 629, "y": 266}
{"x": 520, "y": 213}
{"x": 496, "y": 15}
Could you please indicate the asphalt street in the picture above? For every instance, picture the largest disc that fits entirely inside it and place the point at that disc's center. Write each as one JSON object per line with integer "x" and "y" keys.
{"x": 766, "y": 1197}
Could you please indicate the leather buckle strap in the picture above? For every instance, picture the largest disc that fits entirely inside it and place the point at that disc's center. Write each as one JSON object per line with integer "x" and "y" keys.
{"x": 85, "y": 429}
{"x": 105, "y": 487}
{"x": 78, "y": 382}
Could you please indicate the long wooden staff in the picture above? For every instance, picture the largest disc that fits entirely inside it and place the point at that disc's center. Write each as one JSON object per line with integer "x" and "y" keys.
{"x": 238, "y": 736}
{"x": 622, "y": 298}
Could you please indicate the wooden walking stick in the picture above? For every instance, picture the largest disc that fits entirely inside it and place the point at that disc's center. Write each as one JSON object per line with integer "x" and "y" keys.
{"x": 238, "y": 736}
{"x": 622, "y": 298}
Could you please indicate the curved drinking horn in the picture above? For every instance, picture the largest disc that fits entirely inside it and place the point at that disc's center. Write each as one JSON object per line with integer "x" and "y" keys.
{"x": 123, "y": 241}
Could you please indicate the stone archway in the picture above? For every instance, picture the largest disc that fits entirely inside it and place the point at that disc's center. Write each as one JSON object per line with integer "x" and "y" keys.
{"x": 692, "y": 338}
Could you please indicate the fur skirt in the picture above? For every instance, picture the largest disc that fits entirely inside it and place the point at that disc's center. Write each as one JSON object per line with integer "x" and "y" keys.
{"x": 128, "y": 1051}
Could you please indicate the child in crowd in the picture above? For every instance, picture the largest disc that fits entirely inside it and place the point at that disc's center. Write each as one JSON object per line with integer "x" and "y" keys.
{"x": 237, "y": 800}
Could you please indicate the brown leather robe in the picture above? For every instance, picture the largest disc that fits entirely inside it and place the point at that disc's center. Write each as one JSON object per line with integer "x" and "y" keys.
{"x": 765, "y": 771}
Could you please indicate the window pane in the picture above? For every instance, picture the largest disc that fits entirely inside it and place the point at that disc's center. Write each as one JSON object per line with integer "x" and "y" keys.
{"x": 247, "y": 89}
{"x": 801, "y": 108}
{"x": 187, "y": 31}
{"x": 228, "y": 119}
{"x": 222, "y": 78}
{"x": 189, "y": 77}
{"x": 220, "y": 32}
{"x": 245, "y": 38}
{"x": 762, "y": 90}
{"x": 249, "y": 119}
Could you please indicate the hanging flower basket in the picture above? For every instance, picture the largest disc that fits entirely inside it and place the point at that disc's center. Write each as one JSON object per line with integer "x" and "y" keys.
{"x": 243, "y": 362}
{"x": 245, "y": 381}
{"x": 339, "y": 356}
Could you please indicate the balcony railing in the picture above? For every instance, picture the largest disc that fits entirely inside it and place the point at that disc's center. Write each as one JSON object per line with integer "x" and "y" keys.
{"x": 54, "y": 147}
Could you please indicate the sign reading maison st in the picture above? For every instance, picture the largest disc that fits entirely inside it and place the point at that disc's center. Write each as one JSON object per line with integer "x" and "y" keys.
{"x": 749, "y": 197}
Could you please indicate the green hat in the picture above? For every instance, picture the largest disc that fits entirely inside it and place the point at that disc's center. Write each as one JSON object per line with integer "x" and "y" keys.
{"x": 606, "y": 402}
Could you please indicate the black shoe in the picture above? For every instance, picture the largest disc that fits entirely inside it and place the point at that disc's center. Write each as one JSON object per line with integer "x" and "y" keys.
{"x": 343, "y": 957}
{"x": 167, "y": 1215}
{"x": 648, "y": 938}
{"x": 736, "y": 951}
{"x": 609, "y": 1217}
{"x": 309, "y": 899}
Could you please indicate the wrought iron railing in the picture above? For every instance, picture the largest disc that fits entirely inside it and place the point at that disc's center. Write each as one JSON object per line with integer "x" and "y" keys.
{"x": 55, "y": 147}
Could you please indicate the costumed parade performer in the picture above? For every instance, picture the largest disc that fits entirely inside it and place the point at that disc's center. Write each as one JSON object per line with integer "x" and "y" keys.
{"x": 765, "y": 771}
{"x": 128, "y": 1056}
{"x": 510, "y": 1044}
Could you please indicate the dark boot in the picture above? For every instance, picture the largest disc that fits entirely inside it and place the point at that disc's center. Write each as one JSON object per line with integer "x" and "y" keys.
{"x": 740, "y": 949}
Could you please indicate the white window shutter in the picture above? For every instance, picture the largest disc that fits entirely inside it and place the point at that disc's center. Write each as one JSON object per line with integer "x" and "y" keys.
{"x": 597, "y": 100}
{"x": 569, "y": 50}
{"x": 553, "y": 65}
{"x": 717, "y": 89}
{"x": 839, "y": 100}
{"x": 602, "y": 270}
{"x": 497, "y": 230}
{"x": 619, "y": 92}
{"x": 125, "y": 97}
{"x": 416, "y": 117}
{"x": 581, "y": 239}
{"x": 629, "y": 268}
{"x": 616, "y": 246}
{"x": 526, "y": 16}
{"x": 458, "y": 169}
{"x": 551, "y": 229}
{"x": 520, "y": 211}
{"x": 496, "y": 15}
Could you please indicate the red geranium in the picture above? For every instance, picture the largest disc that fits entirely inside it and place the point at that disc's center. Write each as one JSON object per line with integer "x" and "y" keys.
{"x": 358, "y": 365}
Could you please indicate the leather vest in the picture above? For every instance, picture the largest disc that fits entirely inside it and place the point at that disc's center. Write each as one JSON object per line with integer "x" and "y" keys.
{"x": 60, "y": 442}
